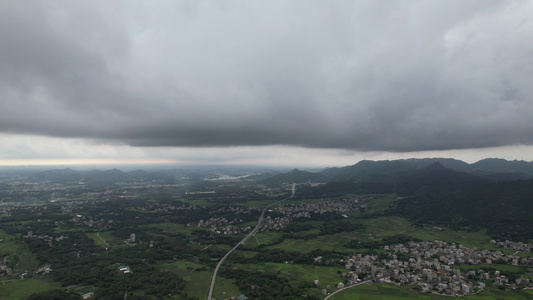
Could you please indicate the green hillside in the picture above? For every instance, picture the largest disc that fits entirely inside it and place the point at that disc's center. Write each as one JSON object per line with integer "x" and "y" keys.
{"x": 505, "y": 209}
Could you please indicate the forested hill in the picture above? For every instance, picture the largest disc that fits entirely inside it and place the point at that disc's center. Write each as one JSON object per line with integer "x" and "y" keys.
{"x": 497, "y": 169}
{"x": 505, "y": 209}
{"x": 370, "y": 170}
{"x": 435, "y": 181}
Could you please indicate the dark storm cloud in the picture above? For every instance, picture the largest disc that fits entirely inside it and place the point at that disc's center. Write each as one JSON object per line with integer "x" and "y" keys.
{"x": 375, "y": 75}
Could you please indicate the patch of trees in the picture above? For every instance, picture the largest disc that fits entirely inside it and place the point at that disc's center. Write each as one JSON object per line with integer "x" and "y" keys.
{"x": 270, "y": 285}
{"x": 293, "y": 230}
{"x": 339, "y": 226}
{"x": 77, "y": 261}
{"x": 282, "y": 256}
{"x": 389, "y": 240}
{"x": 298, "y": 226}
{"x": 341, "y": 188}
{"x": 505, "y": 209}
{"x": 154, "y": 284}
{"x": 56, "y": 294}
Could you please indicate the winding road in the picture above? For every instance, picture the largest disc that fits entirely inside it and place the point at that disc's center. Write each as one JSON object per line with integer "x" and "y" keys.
{"x": 244, "y": 240}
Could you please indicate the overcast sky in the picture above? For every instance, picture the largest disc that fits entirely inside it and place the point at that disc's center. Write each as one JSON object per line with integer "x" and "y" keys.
{"x": 276, "y": 82}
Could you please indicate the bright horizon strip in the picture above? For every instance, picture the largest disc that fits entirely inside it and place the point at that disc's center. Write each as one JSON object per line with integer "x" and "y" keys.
{"x": 48, "y": 151}
{"x": 74, "y": 161}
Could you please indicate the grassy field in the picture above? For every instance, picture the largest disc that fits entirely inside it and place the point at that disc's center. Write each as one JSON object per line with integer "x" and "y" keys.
{"x": 23, "y": 288}
{"x": 496, "y": 294}
{"x": 171, "y": 228}
{"x": 199, "y": 280}
{"x": 334, "y": 242}
{"x": 391, "y": 225}
{"x": 11, "y": 246}
{"x": 325, "y": 274}
{"x": 27, "y": 260}
{"x": 377, "y": 291}
{"x": 97, "y": 241}
{"x": 381, "y": 203}
{"x": 106, "y": 236}
{"x": 69, "y": 230}
{"x": 364, "y": 292}
{"x": 8, "y": 244}
{"x": 263, "y": 238}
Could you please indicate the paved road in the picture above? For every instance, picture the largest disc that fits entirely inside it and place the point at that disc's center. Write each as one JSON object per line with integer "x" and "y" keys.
{"x": 98, "y": 235}
{"x": 347, "y": 287}
{"x": 261, "y": 218}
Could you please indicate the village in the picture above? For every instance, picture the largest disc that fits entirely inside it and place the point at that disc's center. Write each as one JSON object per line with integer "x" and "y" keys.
{"x": 283, "y": 215}
{"x": 429, "y": 266}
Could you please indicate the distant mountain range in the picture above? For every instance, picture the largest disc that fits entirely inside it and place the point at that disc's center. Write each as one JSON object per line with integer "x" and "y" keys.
{"x": 389, "y": 170}
{"x": 380, "y": 171}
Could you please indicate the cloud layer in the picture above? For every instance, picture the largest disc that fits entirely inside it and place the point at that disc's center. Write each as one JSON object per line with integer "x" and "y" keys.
{"x": 367, "y": 76}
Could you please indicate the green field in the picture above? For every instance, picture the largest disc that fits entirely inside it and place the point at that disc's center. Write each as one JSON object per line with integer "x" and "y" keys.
{"x": 7, "y": 246}
{"x": 199, "y": 280}
{"x": 325, "y": 274}
{"x": 333, "y": 242}
{"x": 263, "y": 238}
{"x": 171, "y": 227}
{"x": 23, "y": 288}
{"x": 378, "y": 291}
{"x": 106, "y": 236}
{"x": 11, "y": 247}
{"x": 391, "y": 225}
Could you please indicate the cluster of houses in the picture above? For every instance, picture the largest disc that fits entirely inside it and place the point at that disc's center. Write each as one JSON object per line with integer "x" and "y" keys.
{"x": 451, "y": 253}
{"x": 517, "y": 246}
{"x": 87, "y": 222}
{"x": 124, "y": 269}
{"x": 166, "y": 207}
{"x": 29, "y": 187}
{"x": 237, "y": 210}
{"x": 283, "y": 215}
{"x": 291, "y": 212}
{"x": 346, "y": 205}
{"x": 44, "y": 269}
{"x": 44, "y": 237}
{"x": 6, "y": 210}
{"x": 4, "y": 266}
{"x": 430, "y": 267}
{"x": 220, "y": 225}
{"x": 6, "y": 270}
{"x": 4, "y": 262}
